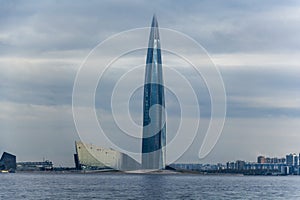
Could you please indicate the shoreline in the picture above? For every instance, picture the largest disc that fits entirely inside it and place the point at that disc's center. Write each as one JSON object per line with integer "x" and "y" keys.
{"x": 87, "y": 172}
{"x": 141, "y": 172}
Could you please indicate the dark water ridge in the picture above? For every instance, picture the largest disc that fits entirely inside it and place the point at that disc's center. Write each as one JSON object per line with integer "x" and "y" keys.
{"x": 146, "y": 186}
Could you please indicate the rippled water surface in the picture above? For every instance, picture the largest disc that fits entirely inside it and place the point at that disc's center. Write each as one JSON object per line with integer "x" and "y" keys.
{"x": 146, "y": 186}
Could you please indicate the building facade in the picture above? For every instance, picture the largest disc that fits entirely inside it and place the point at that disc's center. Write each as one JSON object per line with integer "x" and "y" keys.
{"x": 154, "y": 126}
{"x": 8, "y": 162}
{"x": 35, "y": 166}
{"x": 92, "y": 157}
{"x": 290, "y": 159}
{"x": 263, "y": 159}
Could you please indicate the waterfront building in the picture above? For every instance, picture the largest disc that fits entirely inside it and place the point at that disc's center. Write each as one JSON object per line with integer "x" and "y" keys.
{"x": 285, "y": 170}
{"x": 8, "y": 162}
{"x": 153, "y": 156}
{"x": 296, "y": 160}
{"x": 154, "y": 126}
{"x": 35, "y": 166}
{"x": 92, "y": 157}
{"x": 240, "y": 165}
{"x": 197, "y": 167}
{"x": 290, "y": 159}
{"x": 261, "y": 159}
{"x": 255, "y": 168}
{"x": 230, "y": 165}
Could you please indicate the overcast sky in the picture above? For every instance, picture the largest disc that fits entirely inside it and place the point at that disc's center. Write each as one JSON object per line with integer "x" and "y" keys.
{"x": 255, "y": 44}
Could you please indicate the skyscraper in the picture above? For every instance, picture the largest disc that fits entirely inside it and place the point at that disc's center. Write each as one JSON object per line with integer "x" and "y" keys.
{"x": 154, "y": 126}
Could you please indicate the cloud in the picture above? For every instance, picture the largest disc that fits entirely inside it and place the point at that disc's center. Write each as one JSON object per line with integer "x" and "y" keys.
{"x": 234, "y": 26}
{"x": 264, "y": 60}
{"x": 245, "y": 139}
{"x": 254, "y": 91}
{"x": 34, "y": 132}
{"x": 42, "y": 44}
{"x": 237, "y": 27}
{"x": 29, "y": 81}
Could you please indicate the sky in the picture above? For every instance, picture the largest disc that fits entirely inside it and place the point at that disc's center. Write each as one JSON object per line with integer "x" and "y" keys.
{"x": 255, "y": 45}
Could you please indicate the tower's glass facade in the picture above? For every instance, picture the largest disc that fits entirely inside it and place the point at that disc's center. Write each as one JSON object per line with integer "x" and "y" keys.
{"x": 154, "y": 126}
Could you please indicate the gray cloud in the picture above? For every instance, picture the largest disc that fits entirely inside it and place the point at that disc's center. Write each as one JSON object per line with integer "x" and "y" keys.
{"x": 234, "y": 26}
{"x": 41, "y": 83}
{"x": 262, "y": 92}
{"x": 42, "y": 44}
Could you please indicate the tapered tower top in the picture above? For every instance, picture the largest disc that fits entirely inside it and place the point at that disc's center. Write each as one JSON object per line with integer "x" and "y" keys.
{"x": 154, "y": 34}
{"x": 154, "y": 22}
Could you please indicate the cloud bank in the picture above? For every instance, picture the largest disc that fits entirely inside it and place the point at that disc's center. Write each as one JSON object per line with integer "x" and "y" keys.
{"x": 255, "y": 44}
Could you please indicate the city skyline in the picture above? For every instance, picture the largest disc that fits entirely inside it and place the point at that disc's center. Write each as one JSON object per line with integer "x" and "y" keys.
{"x": 254, "y": 44}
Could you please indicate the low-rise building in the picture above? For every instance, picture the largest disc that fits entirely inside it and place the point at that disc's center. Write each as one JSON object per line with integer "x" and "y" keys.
{"x": 35, "y": 166}
{"x": 92, "y": 157}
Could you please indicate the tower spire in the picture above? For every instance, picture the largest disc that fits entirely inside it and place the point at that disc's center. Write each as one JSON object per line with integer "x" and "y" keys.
{"x": 154, "y": 21}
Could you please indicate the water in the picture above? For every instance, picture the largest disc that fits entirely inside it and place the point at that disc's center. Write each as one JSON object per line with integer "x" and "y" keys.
{"x": 146, "y": 186}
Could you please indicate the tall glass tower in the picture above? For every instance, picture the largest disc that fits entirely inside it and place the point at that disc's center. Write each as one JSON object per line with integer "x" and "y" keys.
{"x": 154, "y": 126}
